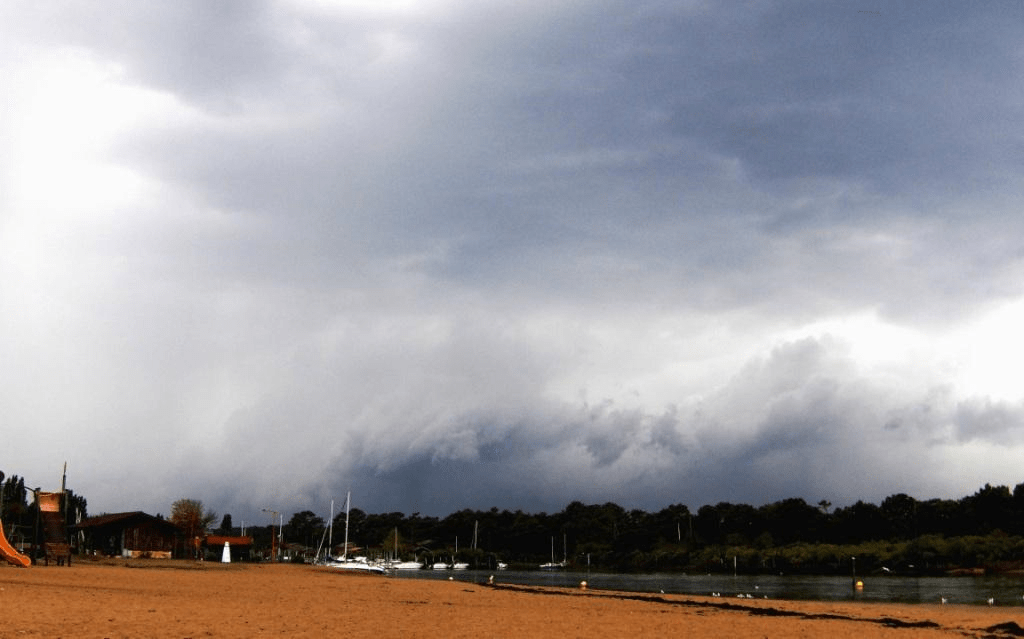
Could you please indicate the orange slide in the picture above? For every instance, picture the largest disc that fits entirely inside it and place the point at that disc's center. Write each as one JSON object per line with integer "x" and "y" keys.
{"x": 10, "y": 554}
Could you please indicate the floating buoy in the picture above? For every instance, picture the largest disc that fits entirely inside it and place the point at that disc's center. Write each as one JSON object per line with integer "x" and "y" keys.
{"x": 583, "y": 585}
{"x": 860, "y": 585}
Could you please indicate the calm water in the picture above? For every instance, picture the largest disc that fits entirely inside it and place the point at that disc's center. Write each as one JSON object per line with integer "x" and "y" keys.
{"x": 1004, "y": 590}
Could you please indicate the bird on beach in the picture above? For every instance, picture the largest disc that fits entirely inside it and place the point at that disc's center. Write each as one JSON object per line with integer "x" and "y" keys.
{"x": 944, "y": 601}
{"x": 991, "y": 601}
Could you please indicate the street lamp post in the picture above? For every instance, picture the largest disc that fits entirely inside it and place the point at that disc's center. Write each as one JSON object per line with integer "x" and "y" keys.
{"x": 273, "y": 547}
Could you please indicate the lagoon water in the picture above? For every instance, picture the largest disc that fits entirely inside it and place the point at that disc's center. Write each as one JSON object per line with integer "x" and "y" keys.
{"x": 1003, "y": 590}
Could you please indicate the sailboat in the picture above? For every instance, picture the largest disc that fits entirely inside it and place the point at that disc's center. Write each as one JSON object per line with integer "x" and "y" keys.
{"x": 328, "y": 535}
{"x": 551, "y": 565}
{"x": 395, "y": 564}
{"x": 406, "y": 565}
{"x": 355, "y": 563}
{"x": 458, "y": 565}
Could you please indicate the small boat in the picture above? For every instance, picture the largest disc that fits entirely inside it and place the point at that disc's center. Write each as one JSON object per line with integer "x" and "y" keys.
{"x": 551, "y": 565}
{"x": 440, "y": 565}
{"x": 460, "y": 566}
{"x": 397, "y": 564}
{"x": 405, "y": 565}
{"x": 356, "y": 563}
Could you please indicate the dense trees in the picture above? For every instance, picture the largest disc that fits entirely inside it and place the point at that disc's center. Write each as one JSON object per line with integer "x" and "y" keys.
{"x": 902, "y": 533}
{"x": 13, "y": 499}
{"x": 305, "y": 527}
{"x": 16, "y": 509}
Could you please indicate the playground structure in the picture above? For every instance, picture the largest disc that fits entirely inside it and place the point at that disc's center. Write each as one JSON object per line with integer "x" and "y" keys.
{"x": 55, "y": 544}
{"x": 54, "y": 532}
{"x": 12, "y": 556}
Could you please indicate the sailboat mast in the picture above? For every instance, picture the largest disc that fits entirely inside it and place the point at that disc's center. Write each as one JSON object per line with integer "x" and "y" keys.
{"x": 348, "y": 499}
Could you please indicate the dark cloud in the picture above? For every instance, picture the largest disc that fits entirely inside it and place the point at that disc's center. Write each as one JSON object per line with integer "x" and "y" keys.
{"x": 463, "y": 256}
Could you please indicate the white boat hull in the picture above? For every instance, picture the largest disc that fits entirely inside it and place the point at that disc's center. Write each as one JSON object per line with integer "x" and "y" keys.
{"x": 406, "y": 565}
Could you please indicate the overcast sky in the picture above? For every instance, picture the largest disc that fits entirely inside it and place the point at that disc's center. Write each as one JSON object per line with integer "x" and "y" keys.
{"x": 510, "y": 254}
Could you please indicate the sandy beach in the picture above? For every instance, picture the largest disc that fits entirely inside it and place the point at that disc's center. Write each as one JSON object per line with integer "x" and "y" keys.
{"x": 118, "y": 598}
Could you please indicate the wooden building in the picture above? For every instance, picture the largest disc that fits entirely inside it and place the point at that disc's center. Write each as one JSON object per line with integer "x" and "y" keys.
{"x": 239, "y": 547}
{"x": 133, "y": 534}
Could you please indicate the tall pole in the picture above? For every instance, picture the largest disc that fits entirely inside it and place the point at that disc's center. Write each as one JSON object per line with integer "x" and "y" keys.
{"x": 348, "y": 502}
{"x": 64, "y": 498}
{"x": 273, "y": 546}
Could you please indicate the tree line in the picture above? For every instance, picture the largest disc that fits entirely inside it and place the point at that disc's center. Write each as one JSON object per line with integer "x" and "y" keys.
{"x": 901, "y": 534}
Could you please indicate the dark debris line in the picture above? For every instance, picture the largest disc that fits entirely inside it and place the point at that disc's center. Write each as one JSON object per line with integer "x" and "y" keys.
{"x": 1007, "y": 629}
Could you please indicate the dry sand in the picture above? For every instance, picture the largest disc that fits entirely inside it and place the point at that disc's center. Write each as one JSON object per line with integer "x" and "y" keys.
{"x": 140, "y": 598}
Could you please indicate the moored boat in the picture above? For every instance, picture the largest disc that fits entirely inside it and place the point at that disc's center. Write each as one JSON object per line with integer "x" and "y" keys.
{"x": 552, "y": 565}
{"x": 405, "y": 565}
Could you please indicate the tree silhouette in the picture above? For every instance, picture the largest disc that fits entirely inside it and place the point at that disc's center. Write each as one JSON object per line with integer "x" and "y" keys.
{"x": 193, "y": 519}
{"x": 306, "y": 526}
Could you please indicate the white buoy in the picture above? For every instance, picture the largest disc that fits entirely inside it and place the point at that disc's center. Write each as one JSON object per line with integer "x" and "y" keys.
{"x": 225, "y": 557}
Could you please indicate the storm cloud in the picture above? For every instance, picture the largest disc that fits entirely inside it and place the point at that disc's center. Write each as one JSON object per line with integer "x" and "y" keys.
{"x": 461, "y": 255}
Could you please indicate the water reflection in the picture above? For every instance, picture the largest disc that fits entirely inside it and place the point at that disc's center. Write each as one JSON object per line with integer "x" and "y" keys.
{"x": 1003, "y": 590}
